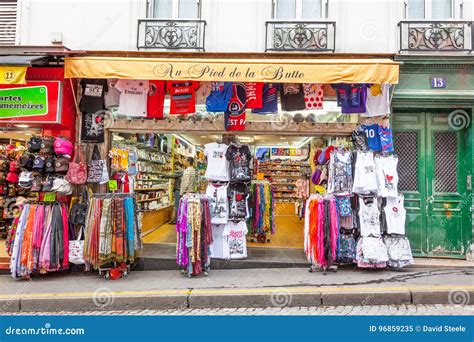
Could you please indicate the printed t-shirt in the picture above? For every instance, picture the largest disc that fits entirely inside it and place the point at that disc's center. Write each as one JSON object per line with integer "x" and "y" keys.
{"x": 203, "y": 92}
{"x": 217, "y": 163}
{"x": 292, "y": 97}
{"x": 133, "y": 97}
{"x": 239, "y": 163}
{"x": 219, "y": 98}
{"x": 156, "y": 100}
{"x": 219, "y": 248}
{"x": 313, "y": 96}
{"x": 254, "y": 94}
{"x": 218, "y": 203}
{"x": 92, "y": 127}
{"x": 270, "y": 99}
{"x": 378, "y": 100}
{"x": 373, "y": 137}
{"x": 237, "y": 193}
{"x": 234, "y": 116}
{"x": 112, "y": 96}
{"x": 182, "y": 97}
{"x": 351, "y": 97}
{"x": 386, "y": 138}
{"x": 93, "y": 91}
{"x": 237, "y": 240}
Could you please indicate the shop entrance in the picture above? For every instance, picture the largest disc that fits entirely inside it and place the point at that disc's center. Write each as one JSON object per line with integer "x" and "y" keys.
{"x": 434, "y": 168}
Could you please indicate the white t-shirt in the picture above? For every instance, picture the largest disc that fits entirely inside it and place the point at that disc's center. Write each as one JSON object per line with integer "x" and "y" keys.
{"x": 133, "y": 97}
{"x": 369, "y": 218}
{"x": 218, "y": 203}
{"x": 387, "y": 176}
{"x": 395, "y": 214}
{"x": 238, "y": 240}
{"x": 217, "y": 163}
{"x": 219, "y": 248}
{"x": 364, "y": 175}
{"x": 378, "y": 100}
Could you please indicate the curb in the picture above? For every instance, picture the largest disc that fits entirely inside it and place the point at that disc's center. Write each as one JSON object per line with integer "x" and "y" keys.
{"x": 237, "y": 298}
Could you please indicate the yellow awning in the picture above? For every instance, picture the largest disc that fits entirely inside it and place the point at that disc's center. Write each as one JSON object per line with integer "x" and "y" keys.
{"x": 236, "y": 70}
{"x": 12, "y": 74}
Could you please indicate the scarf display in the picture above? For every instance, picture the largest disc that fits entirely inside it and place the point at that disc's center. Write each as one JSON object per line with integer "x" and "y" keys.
{"x": 40, "y": 241}
{"x": 262, "y": 220}
{"x": 194, "y": 234}
{"x": 112, "y": 231}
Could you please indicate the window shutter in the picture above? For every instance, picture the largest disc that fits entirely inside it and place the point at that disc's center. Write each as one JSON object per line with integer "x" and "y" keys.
{"x": 8, "y": 18}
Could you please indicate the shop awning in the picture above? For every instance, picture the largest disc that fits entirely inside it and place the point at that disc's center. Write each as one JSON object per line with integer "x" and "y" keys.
{"x": 285, "y": 70}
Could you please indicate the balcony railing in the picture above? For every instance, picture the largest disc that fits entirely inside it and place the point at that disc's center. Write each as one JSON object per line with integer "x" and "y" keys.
{"x": 316, "y": 36}
{"x": 171, "y": 34}
{"x": 439, "y": 35}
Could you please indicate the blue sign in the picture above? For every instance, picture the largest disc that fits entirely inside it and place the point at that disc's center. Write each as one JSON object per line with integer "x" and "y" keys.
{"x": 438, "y": 82}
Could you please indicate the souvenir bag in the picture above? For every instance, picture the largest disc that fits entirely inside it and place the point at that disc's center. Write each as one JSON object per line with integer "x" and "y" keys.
{"x": 77, "y": 216}
{"x": 96, "y": 167}
{"x": 77, "y": 173}
{"x": 76, "y": 250}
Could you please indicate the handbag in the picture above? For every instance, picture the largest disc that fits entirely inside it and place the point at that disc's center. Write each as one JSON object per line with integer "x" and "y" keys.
{"x": 77, "y": 216}
{"x": 77, "y": 173}
{"x": 76, "y": 250}
{"x": 96, "y": 167}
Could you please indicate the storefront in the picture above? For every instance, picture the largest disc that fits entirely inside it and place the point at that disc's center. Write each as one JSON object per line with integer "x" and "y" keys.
{"x": 433, "y": 133}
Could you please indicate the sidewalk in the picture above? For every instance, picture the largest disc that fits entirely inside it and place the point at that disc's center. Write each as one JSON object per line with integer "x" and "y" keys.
{"x": 238, "y": 288}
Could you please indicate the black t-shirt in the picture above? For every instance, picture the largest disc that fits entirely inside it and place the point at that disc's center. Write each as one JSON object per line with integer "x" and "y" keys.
{"x": 93, "y": 91}
{"x": 292, "y": 97}
{"x": 239, "y": 163}
{"x": 237, "y": 193}
{"x": 92, "y": 128}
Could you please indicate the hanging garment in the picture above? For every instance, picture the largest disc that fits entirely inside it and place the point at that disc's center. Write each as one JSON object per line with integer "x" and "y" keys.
{"x": 347, "y": 249}
{"x": 387, "y": 176}
{"x": 217, "y": 163}
{"x": 398, "y": 250}
{"x": 217, "y": 194}
{"x": 369, "y": 217}
{"x": 340, "y": 172}
{"x": 395, "y": 215}
{"x": 239, "y": 157}
{"x": 237, "y": 240}
{"x": 365, "y": 181}
{"x": 371, "y": 252}
{"x": 238, "y": 194}
{"x": 220, "y": 244}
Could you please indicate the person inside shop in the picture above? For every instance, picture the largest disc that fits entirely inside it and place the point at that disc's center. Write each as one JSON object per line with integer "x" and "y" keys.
{"x": 176, "y": 194}
{"x": 189, "y": 178}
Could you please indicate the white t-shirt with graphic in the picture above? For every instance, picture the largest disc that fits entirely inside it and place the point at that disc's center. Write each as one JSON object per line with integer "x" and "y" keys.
{"x": 219, "y": 248}
{"x": 133, "y": 97}
{"x": 238, "y": 240}
{"x": 217, "y": 163}
{"x": 387, "y": 176}
{"x": 378, "y": 100}
{"x": 218, "y": 203}
{"x": 395, "y": 215}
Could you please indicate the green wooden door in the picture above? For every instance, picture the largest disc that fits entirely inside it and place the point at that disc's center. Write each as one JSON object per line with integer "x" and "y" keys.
{"x": 433, "y": 167}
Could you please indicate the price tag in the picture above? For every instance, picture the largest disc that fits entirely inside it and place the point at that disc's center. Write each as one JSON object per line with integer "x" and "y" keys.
{"x": 113, "y": 185}
{"x": 49, "y": 197}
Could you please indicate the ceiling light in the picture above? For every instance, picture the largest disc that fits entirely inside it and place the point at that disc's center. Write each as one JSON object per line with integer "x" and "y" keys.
{"x": 22, "y": 126}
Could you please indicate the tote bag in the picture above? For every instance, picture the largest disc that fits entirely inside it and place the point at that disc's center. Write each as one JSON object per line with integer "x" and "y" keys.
{"x": 96, "y": 168}
{"x": 77, "y": 173}
{"x": 76, "y": 250}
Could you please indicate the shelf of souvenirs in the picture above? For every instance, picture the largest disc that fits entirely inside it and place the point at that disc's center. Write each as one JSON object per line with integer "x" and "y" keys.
{"x": 145, "y": 147}
{"x": 153, "y": 168}
{"x": 157, "y": 196}
{"x": 152, "y": 189}
{"x": 299, "y": 175}
{"x": 162, "y": 174}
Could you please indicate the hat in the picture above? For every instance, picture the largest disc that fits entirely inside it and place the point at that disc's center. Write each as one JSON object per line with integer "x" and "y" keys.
{"x": 61, "y": 165}
{"x": 47, "y": 145}
{"x": 12, "y": 177}
{"x": 47, "y": 184}
{"x": 37, "y": 184}
{"x": 38, "y": 164}
{"x": 14, "y": 167}
{"x": 62, "y": 186}
{"x": 316, "y": 176}
{"x": 26, "y": 176}
{"x": 26, "y": 161}
{"x": 49, "y": 165}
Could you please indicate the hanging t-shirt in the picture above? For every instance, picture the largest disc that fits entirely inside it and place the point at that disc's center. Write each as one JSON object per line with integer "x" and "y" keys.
{"x": 313, "y": 96}
{"x": 133, "y": 97}
{"x": 219, "y": 248}
{"x": 156, "y": 100}
{"x": 351, "y": 97}
{"x": 203, "y": 92}
{"x": 254, "y": 94}
{"x": 373, "y": 137}
{"x": 234, "y": 118}
{"x": 93, "y": 91}
{"x": 238, "y": 193}
{"x": 386, "y": 138}
{"x": 218, "y": 203}
{"x": 182, "y": 97}
{"x": 292, "y": 97}
{"x": 217, "y": 163}
{"x": 239, "y": 163}
{"x": 364, "y": 173}
{"x": 387, "y": 175}
{"x": 395, "y": 215}
{"x": 92, "y": 127}
{"x": 270, "y": 100}
{"x": 218, "y": 99}
{"x": 238, "y": 240}
{"x": 378, "y": 100}
{"x": 112, "y": 96}
{"x": 369, "y": 217}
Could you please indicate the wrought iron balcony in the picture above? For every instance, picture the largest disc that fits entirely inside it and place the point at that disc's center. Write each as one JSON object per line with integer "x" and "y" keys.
{"x": 316, "y": 36}
{"x": 439, "y": 35}
{"x": 171, "y": 34}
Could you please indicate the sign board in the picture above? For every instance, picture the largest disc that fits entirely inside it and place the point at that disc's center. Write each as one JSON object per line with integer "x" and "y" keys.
{"x": 35, "y": 102}
{"x": 49, "y": 197}
{"x": 438, "y": 82}
{"x": 113, "y": 186}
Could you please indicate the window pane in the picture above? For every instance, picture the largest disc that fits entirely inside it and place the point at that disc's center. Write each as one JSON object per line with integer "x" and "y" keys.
{"x": 188, "y": 9}
{"x": 286, "y": 9}
{"x": 312, "y": 9}
{"x": 441, "y": 9}
{"x": 163, "y": 9}
{"x": 416, "y": 9}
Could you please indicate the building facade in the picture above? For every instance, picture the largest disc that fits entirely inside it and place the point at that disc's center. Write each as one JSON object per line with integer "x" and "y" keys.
{"x": 432, "y": 104}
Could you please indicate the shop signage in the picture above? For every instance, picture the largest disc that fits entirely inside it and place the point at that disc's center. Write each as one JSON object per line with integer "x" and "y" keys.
{"x": 49, "y": 197}
{"x": 12, "y": 75}
{"x": 36, "y": 102}
{"x": 438, "y": 82}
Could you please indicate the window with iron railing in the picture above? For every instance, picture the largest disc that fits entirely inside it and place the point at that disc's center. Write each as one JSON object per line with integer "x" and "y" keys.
{"x": 8, "y": 22}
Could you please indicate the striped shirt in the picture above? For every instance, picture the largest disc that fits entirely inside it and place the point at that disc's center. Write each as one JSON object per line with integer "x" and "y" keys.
{"x": 188, "y": 181}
